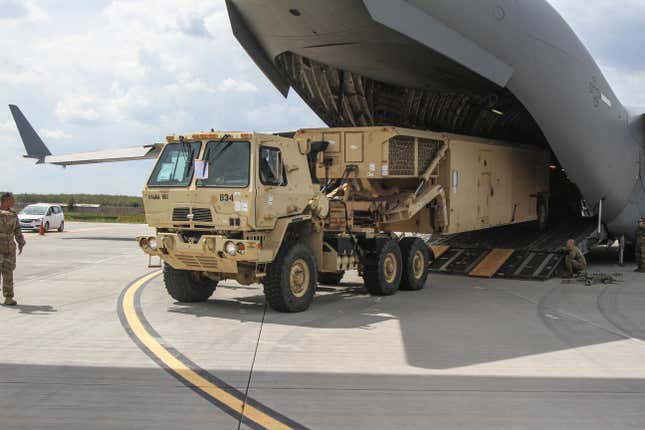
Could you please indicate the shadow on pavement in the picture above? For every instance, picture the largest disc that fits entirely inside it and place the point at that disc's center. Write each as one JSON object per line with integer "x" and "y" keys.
{"x": 459, "y": 321}
{"x": 33, "y": 309}
{"x": 115, "y": 239}
{"x": 78, "y": 397}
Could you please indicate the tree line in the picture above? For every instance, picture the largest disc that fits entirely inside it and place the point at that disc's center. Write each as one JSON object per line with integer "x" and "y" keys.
{"x": 74, "y": 199}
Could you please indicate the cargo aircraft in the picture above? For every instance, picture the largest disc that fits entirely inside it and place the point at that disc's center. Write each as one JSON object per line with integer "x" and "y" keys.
{"x": 502, "y": 69}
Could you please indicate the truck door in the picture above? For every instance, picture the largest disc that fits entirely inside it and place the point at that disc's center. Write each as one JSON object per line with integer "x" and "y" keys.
{"x": 284, "y": 184}
{"x": 272, "y": 192}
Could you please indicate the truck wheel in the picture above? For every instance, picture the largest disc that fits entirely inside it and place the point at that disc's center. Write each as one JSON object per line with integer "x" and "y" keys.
{"x": 383, "y": 269}
{"x": 330, "y": 278}
{"x": 290, "y": 283}
{"x": 186, "y": 286}
{"x": 416, "y": 259}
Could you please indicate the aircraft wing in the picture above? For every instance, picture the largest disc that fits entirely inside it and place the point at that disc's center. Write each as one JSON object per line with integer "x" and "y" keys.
{"x": 37, "y": 149}
{"x": 108, "y": 156}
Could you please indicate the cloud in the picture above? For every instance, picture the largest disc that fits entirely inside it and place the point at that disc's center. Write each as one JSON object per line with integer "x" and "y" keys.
{"x": 12, "y": 9}
{"x": 79, "y": 109}
{"x": 230, "y": 84}
{"x": 7, "y": 125}
{"x": 53, "y": 134}
{"x": 194, "y": 25}
{"x": 16, "y": 10}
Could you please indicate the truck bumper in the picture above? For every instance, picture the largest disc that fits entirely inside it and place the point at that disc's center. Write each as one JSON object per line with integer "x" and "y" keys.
{"x": 208, "y": 254}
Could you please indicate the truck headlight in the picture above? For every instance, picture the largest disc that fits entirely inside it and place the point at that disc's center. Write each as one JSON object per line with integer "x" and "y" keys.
{"x": 152, "y": 243}
{"x": 230, "y": 248}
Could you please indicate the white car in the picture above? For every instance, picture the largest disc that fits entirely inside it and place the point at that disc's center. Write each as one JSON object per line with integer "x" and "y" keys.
{"x": 51, "y": 216}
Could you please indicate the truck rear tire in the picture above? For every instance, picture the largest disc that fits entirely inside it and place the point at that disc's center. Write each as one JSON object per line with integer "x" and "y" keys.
{"x": 383, "y": 269}
{"x": 186, "y": 286}
{"x": 330, "y": 278}
{"x": 416, "y": 259}
{"x": 290, "y": 283}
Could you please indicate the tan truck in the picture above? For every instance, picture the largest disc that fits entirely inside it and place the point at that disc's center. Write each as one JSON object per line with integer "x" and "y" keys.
{"x": 293, "y": 211}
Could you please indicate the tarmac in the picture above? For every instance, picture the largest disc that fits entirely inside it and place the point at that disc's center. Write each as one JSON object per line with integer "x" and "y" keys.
{"x": 96, "y": 343}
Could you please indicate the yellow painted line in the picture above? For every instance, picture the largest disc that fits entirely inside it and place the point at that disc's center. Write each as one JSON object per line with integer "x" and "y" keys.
{"x": 184, "y": 371}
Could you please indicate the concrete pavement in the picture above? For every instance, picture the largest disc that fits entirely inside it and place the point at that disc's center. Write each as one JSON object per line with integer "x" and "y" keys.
{"x": 463, "y": 353}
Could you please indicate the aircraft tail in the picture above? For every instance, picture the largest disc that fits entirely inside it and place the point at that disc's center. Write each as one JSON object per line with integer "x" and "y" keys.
{"x": 34, "y": 145}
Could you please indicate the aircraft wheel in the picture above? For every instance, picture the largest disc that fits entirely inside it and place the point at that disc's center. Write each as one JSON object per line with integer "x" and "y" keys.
{"x": 290, "y": 283}
{"x": 416, "y": 259}
{"x": 383, "y": 270}
{"x": 186, "y": 286}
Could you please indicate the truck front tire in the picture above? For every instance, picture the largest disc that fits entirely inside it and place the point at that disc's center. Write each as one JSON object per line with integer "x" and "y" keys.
{"x": 186, "y": 286}
{"x": 416, "y": 259}
{"x": 382, "y": 270}
{"x": 290, "y": 283}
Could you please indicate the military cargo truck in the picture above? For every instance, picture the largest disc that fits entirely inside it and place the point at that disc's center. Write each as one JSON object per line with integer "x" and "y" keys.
{"x": 293, "y": 211}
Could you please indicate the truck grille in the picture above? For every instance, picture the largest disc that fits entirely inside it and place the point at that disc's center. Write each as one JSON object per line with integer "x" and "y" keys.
{"x": 427, "y": 152}
{"x": 199, "y": 214}
{"x": 198, "y": 262}
{"x": 401, "y": 156}
{"x": 180, "y": 214}
{"x": 202, "y": 215}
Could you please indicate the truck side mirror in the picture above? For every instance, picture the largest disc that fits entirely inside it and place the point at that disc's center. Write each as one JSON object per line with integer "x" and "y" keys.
{"x": 316, "y": 149}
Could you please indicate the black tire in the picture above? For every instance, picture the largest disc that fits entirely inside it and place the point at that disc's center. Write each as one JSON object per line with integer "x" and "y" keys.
{"x": 290, "y": 283}
{"x": 186, "y": 286}
{"x": 61, "y": 228}
{"x": 46, "y": 226}
{"x": 416, "y": 262}
{"x": 381, "y": 279}
{"x": 330, "y": 278}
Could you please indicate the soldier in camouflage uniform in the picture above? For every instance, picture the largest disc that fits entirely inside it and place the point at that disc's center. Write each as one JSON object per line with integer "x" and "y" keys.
{"x": 10, "y": 233}
{"x": 574, "y": 261}
{"x": 640, "y": 245}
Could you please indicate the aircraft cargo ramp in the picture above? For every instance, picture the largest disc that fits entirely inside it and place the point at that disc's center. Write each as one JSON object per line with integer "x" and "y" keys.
{"x": 516, "y": 251}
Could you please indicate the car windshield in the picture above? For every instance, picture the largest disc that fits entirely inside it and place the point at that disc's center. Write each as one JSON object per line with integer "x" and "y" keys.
{"x": 34, "y": 210}
{"x": 227, "y": 164}
{"x": 176, "y": 165}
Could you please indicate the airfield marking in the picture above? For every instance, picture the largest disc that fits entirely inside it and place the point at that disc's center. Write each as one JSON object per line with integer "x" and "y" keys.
{"x": 214, "y": 390}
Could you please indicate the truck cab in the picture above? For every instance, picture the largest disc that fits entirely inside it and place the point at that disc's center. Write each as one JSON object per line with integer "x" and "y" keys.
{"x": 222, "y": 203}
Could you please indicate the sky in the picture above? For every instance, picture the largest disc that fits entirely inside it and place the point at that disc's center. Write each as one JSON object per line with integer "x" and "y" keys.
{"x": 97, "y": 74}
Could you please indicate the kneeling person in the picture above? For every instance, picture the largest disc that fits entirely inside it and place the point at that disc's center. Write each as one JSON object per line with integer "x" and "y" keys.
{"x": 574, "y": 262}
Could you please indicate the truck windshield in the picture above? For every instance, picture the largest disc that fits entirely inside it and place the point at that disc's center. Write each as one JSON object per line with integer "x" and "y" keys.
{"x": 175, "y": 166}
{"x": 228, "y": 164}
